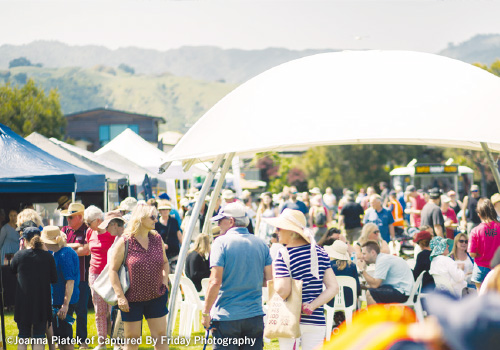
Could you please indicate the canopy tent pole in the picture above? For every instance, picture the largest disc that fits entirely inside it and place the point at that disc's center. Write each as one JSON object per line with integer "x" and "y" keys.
{"x": 187, "y": 239}
{"x": 491, "y": 162}
{"x": 216, "y": 192}
{"x": 106, "y": 196}
{"x": 73, "y": 195}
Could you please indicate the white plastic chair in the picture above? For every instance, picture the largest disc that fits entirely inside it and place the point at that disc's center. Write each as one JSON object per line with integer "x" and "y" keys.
{"x": 411, "y": 263}
{"x": 192, "y": 306}
{"x": 204, "y": 286}
{"x": 178, "y": 299}
{"x": 414, "y": 298}
{"x": 339, "y": 303}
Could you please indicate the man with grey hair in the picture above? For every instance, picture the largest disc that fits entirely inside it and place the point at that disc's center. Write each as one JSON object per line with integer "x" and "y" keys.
{"x": 381, "y": 217}
{"x": 240, "y": 264}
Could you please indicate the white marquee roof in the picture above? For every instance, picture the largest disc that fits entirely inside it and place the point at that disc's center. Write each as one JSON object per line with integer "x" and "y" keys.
{"x": 352, "y": 97}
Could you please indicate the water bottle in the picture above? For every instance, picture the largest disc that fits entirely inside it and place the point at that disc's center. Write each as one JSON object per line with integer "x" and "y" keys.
{"x": 353, "y": 257}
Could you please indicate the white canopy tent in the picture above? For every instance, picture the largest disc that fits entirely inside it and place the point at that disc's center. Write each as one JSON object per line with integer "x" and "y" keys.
{"x": 350, "y": 97}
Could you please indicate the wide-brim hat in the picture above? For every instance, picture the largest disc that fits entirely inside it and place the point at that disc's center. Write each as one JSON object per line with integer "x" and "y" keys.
{"x": 50, "y": 235}
{"x": 338, "y": 250}
{"x": 227, "y": 194}
{"x": 62, "y": 201}
{"x": 164, "y": 205}
{"x": 290, "y": 219}
{"x": 128, "y": 204}
{"x": 74, "y": 209}
{"x": 110, "y": 215}
{"x": 495, "y": 198}
{"x": 315, "y": 190}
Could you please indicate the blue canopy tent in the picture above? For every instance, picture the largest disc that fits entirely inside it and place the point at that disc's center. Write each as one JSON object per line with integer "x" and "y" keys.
{"x": 25, "y": 168}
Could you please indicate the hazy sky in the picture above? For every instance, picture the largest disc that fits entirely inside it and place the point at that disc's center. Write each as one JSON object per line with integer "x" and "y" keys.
{"x": 422, "y": 25}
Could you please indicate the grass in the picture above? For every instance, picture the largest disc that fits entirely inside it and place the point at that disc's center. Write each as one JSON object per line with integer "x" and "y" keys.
{"x": 11, "y": 330}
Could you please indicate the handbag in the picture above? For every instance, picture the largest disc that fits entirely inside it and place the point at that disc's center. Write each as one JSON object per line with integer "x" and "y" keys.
{"x": 102, "y": 284}
{"x": 283, "y": 316}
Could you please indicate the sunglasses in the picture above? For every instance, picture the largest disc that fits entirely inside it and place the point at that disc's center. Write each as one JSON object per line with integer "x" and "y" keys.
{"x": 377, "y": 231}
{"x": 154, "y": 217}
{"x": 463, "y": 241}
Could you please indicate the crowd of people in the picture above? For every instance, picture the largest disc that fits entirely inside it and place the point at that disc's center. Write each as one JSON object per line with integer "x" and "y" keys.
{"x": 309, "y": 236}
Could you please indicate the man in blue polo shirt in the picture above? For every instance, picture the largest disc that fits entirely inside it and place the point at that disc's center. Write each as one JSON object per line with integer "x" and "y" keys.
{"x": 380, "y": 217}
{"x": 240, "y": 263}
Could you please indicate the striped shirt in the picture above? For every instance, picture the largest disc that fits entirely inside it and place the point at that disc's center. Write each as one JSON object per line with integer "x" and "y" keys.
{"x": 300, "y": 265}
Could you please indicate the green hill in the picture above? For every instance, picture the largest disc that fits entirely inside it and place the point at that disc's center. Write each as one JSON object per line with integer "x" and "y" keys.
{"x": 180, "y": 100}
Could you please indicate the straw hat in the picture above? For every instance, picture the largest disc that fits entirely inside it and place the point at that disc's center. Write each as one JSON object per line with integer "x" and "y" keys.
{"x": 338, "y": 250}
{"x": 290, "y": 219}
{"x": 73, "y": 209}
{"x": 227, "y": 194}
{"x": 62, "y": 201}
{"x": 128, "y": 204}
{"x": 164, "y": 204}
{"x": 315, "y": 190}
{"x": 52, "y": 235}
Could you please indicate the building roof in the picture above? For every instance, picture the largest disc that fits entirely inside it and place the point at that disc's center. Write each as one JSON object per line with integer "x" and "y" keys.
{"x": 113, "y": 111}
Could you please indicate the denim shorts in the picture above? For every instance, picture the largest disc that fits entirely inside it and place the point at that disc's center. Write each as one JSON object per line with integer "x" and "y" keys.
{"x": 153, "y": 308}
{"x": 30, "y": 330}
{"x": 479, "y": 273}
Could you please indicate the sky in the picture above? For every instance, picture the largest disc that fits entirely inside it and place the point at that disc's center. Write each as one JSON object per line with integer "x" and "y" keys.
{"x": 420, "y": 25}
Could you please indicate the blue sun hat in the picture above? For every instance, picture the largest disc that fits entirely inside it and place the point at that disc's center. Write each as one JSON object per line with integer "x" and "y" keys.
{"x": 438, "y": 246}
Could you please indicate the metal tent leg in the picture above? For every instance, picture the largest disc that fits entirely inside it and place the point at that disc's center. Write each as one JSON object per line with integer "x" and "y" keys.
{"x": 492, "y": 164}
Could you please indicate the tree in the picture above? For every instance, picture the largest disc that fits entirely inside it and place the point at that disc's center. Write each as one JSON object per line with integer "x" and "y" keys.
{"x": 126, "y": 68}
{"x": 20, "y": 62}
{"x": 28, "y": 109}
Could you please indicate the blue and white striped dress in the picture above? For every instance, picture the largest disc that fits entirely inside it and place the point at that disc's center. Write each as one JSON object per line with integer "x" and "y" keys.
{"x": 300, "y": 266}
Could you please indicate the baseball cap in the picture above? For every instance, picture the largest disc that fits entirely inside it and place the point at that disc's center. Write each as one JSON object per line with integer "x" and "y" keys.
{"x": 445, "y": 199}
{"x": 474, "y": 188}
{"x": 25, "y": 225}
{"x": 411, "y": 188}
{"x": 232, "y": 210}
{"x": 422, "y": 235}
{"x": 435, "y": 193}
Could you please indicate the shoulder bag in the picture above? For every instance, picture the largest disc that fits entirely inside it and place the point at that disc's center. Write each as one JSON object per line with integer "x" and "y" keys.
{"x": 102, "y": 285}
{"x": 283, "y": 316}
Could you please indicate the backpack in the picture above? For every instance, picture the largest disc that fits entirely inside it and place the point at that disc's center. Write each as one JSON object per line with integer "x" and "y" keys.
{"x": 319, "y": 218}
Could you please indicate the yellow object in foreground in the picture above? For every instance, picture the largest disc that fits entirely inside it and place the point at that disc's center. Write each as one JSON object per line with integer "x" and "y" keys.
{"x": 375, "y": 328}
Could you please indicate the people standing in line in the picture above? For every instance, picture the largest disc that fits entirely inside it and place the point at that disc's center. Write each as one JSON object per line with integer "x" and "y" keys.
{"x": 197, "y": 265}
{"x": 170, "y": 232}
{"x": 65, "y": 292}
{"x": 76, "y": 236}
{"x": 99, "y": 241}
{"x": 266, "y": 209}
{"x": 240, "y": 262}
{"x": 470, "y": 219}
{"x": 484, "y": 240}
{"x": 381, "y": 217}
{"x": 417, "y": 201}
{"x": 310, "y": 264}
{"x": 36, "y": 270}
{"x": 350, "y": 218}
{"x": 431, "y": 214}
{"x": 9, "y": 237}
{"x": 450, "y": 218}
{"x": 423, "y": 262}
{"x": 455, "y": 204}
{"x": 384, "y": 193}
{"x": 148, "y": 269}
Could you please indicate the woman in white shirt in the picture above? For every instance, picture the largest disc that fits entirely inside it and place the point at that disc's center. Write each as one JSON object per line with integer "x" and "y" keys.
{"x": 448, "y": 275}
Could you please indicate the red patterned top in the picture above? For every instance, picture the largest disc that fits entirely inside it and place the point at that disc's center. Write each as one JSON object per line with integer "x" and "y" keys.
{"x": 145, "y": 269}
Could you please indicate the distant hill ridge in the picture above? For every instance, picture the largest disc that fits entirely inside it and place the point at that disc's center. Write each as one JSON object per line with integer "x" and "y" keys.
{"x": 203, "y": 63}
{"x": 483, "y": 48}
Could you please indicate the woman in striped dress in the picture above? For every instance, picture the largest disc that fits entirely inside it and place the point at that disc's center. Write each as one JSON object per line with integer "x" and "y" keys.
{"x": 310, "y": 264}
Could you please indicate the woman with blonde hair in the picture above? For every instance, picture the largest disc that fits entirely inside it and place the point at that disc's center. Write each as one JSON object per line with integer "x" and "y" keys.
{"x": 197, "y": 266}
{"x": 371, "y": 232}
{"x": 65, "y": 292}
{"x": 148, "y": 270}
{"x": 461, "y": 256}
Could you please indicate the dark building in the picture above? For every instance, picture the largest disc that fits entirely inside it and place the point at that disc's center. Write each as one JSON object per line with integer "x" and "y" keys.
{"x": 95, "y": 128}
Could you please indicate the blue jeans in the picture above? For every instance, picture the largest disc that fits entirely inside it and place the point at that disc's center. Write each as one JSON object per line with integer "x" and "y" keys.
{"x": 249, "y": 330}
{"x": 82, "y": 310}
